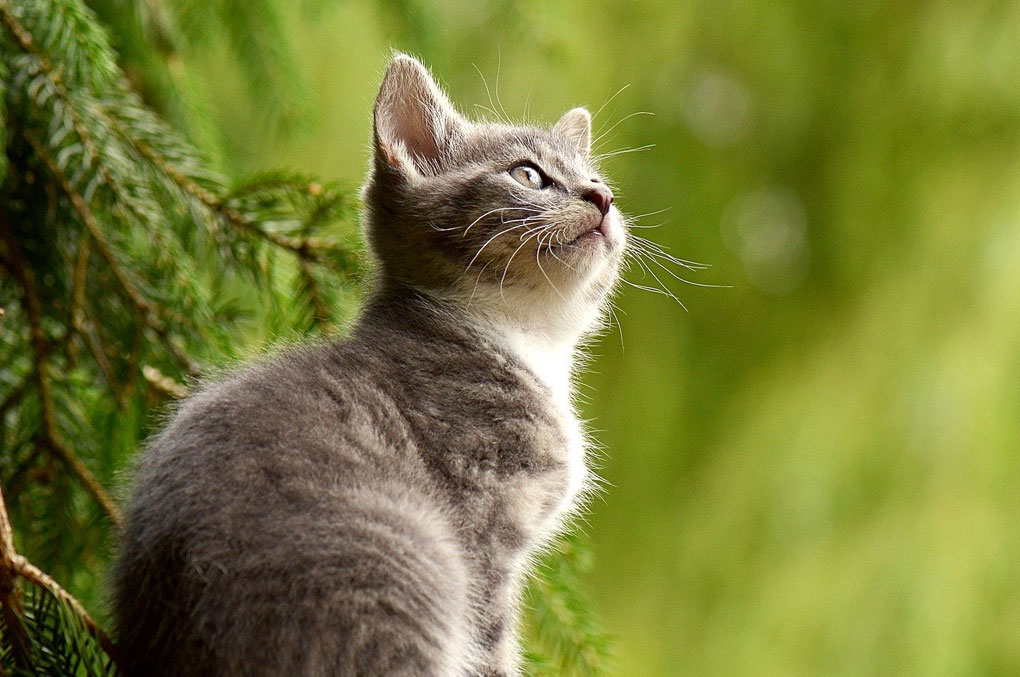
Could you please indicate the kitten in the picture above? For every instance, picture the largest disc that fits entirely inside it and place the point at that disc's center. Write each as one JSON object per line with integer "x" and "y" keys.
{"x": 370, "y": 506}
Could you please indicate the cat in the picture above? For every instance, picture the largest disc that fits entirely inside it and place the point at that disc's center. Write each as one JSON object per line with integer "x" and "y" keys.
{"x": 370, "y": 506}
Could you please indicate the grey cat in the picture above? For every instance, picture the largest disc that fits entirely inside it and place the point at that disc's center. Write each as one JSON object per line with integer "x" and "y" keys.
{"x": 371, "y": 506}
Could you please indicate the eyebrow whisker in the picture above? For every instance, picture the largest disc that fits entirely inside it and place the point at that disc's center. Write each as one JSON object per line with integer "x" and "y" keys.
{"x": 602, "y": 135}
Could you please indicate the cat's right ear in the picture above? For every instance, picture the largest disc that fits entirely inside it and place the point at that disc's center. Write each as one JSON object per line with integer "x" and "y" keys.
{"x": 414, "y": 120}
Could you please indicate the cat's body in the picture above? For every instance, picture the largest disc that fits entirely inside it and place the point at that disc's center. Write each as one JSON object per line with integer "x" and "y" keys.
{"x": 369, "y": 506}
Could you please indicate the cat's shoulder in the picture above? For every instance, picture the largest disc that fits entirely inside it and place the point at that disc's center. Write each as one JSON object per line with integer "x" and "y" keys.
{"x": 257, "y": 401}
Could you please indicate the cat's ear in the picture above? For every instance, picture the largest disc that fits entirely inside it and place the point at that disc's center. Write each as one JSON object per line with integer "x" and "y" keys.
{"x": 575, "y": 125}
{"x": 414, "y": 120}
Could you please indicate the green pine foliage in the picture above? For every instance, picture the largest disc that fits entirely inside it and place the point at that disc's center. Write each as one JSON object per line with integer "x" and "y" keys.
{"x": 44, "y": 635}
{"x": 130, "y": 262}
{"x": 564, "y": 639}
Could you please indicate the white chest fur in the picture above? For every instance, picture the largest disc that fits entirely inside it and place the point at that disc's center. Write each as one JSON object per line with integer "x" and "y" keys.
{"x": 552, "y": 364}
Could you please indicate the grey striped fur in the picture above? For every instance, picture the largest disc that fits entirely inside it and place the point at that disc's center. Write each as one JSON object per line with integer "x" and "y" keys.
{"x": 371, "y": 506}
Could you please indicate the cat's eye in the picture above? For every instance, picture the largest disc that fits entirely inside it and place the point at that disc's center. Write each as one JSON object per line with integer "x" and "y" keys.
{"x": 527, "y": 176}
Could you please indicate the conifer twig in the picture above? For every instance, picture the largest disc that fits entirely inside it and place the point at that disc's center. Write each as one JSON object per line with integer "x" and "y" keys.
{"x": 15, "y": 395}
{"x": 321, "y": 311}
{"x": 151, "y": 312}
{"x": 88, "y": 218}
{"x": 86, "y": 329}
{"x": 13, "y": 564}
{"x": 163, "y": 383}
{"x": 56, "y": 79}
{"x": 50, "y": 432}
{"x": 306, "y": 248}
{"x": 81, "y": 323}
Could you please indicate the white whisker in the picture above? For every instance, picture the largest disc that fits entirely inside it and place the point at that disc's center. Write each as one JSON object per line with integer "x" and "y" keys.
{"x": 665, "y": 288}
{"x": 494, "y": 211}
{"x": 511, "y": 259}
{"x": 622, "y": 151}
{"x": 608, "y": 101}
{"x": 488, "y": 94}
{"x": 598, "y": 138}
{"x": 629, "y": 219}
{"x": 538, "y": 251}
{"x": 487, "y": 242}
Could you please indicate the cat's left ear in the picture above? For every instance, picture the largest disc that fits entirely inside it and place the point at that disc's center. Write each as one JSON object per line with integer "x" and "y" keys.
{"x": 414, "y": 120}
{"x": 575, "y": 125}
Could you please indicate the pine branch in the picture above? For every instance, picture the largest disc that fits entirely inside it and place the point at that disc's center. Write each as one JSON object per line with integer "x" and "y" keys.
{"x": 56, "y": 81}
{"x": 565, "y": 638}
{"x": 322, "y": 314}
{"x": 147, "y": 308}
{"x": 152, "y": 313}
{"x": 13, "y": 565}
{"x": 50, "y": 435}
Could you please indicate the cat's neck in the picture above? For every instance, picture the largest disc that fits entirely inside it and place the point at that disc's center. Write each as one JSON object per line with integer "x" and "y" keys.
{"x": 539, "y": 328}
{"x": 544, "y": 343}
{"x": 549, "y": 358}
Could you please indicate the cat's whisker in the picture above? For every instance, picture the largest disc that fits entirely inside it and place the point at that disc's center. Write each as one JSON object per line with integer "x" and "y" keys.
{"x": 622, "y": 151}
{"x": 527, "y": 101}
{"x": 553, "y": 252}
{"x": 608, "y": 101}
{"x": 442, "y": 230}
{"x": 486, "y": 109}
{"x": 637, "y": 217}
{"x": 661, "y": 284}
{"x": 644, "y": 244}
{"x": 538, "y": 252}
{"x": 663, "y": 256}
{"x": 477, "y": 280}
{"x": 538, "y": 227}
{"x": 501, "y": 113}
{"x": 619, "y": 122}
{"x": 521, "y": 195}
{"x": 656, "y": 261}
{"x": 488, "y": 94}
{"x": 643, "y": 287}
{"x": 487, "y": 242}
{"x": 490, "y": 212}
{"x": 619, "y": 325}
{"x": 506, "y": 270}
{"x": 499, "y": 64}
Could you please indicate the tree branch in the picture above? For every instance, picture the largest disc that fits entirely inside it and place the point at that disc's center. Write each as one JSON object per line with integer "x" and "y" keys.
{"x": 40, "y": 348}
{"x": 141, "y": 302}
{"x": 14, "y": 564}
{"x": 55, "y": 78}
{"x": 322, "y": 313}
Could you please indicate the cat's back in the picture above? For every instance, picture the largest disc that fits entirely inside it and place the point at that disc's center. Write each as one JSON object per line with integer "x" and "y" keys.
{"x": 264, "y": 489}
{"x": 305, "y": 403}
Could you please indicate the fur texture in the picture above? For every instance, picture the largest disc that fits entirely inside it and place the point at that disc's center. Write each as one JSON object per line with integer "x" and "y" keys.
{"x": 370, "y": 506}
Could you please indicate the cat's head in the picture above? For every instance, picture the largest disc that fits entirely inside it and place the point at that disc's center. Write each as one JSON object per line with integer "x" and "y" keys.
{"x": 511, "y": 221}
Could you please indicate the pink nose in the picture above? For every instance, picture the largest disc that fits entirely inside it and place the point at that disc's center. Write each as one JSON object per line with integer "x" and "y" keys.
{"x": 601, "y": 197}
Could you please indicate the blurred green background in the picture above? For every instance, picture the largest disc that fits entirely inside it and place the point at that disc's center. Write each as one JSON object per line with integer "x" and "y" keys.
{"x": 815, "y": 471}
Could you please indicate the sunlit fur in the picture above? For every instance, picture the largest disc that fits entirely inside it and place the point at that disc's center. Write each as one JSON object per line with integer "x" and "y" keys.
{"x": 373, "y": 505}
{"x": 445, "y": 216}
{"x": 458, "y": 226}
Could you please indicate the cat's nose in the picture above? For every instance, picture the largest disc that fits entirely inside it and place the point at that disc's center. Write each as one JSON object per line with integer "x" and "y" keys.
{"x": 600, "y": 196}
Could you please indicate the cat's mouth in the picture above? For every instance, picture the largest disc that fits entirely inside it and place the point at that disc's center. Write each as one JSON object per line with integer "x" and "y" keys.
{"x": 597, "y": 233}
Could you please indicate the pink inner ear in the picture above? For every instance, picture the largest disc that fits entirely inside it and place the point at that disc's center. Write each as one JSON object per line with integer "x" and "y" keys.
{"x": 412, "y": 112}
{"x": 388, "y": 153}
{"x": 414, "y": 127}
